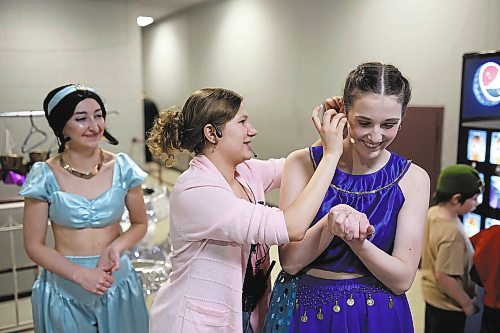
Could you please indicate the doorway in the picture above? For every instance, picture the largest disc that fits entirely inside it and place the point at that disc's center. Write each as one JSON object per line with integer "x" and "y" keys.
{"x": 420, "y": 140}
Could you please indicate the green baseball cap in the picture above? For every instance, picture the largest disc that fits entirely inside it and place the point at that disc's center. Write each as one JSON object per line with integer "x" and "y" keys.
{"x": 459, "y": 178}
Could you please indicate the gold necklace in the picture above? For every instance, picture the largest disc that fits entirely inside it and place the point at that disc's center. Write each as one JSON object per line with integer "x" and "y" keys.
{"x": 79, "y": 174}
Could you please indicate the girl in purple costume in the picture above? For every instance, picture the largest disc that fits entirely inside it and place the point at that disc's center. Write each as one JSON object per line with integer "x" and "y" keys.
{"x": 332, "y": 282}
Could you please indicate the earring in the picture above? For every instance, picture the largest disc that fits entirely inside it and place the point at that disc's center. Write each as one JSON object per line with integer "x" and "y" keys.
{"x": 351, "y": 139}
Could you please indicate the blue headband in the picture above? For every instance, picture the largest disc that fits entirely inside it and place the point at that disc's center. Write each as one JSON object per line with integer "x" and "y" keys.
{"x": 65, "y": 92}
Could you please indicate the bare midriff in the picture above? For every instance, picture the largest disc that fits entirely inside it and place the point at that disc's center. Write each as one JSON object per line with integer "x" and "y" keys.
{"x": 84, "y": 242}
{"x": 329, "y": 275}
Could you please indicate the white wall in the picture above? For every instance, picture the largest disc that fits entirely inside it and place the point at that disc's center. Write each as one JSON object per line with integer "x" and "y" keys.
{"x": 45, "y": 44}
{"x": 285, "y": 56}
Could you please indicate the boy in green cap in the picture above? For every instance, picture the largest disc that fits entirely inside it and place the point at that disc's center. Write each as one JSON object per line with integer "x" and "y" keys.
{"x": 448, "y": 290}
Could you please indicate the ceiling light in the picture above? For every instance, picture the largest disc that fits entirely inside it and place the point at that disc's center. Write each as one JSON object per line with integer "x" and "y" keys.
{"x": 143, "y": 21}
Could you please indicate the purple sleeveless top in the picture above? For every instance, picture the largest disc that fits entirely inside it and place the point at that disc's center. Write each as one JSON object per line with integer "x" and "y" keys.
{"x": 377, "y": 195}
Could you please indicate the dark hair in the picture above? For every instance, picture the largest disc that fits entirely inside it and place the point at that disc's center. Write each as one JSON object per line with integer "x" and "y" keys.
{"x": 176, "y": 130}
{"x": 440, "y": 197}
{"x": 60, "y": 113}
{"x": 374, "y": 77}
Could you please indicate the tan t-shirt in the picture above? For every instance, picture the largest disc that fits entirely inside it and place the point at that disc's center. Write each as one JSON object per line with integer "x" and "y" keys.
{"x": 447, "y": 250}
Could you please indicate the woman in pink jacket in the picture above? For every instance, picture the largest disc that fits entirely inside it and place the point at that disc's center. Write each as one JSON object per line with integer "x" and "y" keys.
{"x": 217, "y": 210}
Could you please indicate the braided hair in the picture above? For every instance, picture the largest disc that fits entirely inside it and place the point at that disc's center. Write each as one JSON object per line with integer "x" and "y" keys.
{"x": 378, "y": 78}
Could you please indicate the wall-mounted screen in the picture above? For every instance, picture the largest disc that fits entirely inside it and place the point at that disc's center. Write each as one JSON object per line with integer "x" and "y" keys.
{"x": 480, "y": 196}
{"x": 480, "y": 86}
{"x": 495, "y": 148}
{"x": 476, "y": 145}
{"x": 495, "y": 192}
{"x": 472, "y": 224}
{"x": 488, "y": 222}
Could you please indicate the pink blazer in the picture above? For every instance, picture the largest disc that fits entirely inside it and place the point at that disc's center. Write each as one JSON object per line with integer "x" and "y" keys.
{"x": 211, "y": 231}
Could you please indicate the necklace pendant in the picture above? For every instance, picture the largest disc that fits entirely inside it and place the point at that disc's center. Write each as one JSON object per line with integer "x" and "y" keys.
{"x": 79, "y": 174}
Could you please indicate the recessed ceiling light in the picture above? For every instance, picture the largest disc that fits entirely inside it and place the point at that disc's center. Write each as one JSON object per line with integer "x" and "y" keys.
{"x": 143, "y": 21}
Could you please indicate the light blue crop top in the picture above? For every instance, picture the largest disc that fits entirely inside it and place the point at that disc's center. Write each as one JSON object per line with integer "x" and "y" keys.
{"x": 75, "y": 211}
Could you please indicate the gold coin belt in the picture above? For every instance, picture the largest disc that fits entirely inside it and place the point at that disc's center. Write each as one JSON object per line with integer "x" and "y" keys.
{"x": 314, "y": 300}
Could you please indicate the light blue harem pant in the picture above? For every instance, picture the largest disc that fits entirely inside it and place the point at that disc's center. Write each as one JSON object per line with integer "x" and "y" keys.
{"x": 61, "y": 306}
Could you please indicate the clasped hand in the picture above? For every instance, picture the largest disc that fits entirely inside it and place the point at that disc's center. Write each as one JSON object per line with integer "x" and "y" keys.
{"x": 110, "y": 259}
{"x": 96, "y": 280}
{"x": 99, "y": 279}
{"x": 349, "y": 224}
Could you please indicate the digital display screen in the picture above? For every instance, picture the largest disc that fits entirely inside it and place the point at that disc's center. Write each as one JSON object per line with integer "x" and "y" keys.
{"x": 480, "y": 86}
{"x": 495, "y": 148}
{"x": 488, "y": 222}
{"x": 476, "y": 145}
{"x": 495, "y": 192}
{"x": 480, "y": 196}
{"x": 472, "y": 224}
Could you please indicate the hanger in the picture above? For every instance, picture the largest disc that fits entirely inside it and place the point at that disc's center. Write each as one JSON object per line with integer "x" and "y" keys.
{"x": 33, "y": 130}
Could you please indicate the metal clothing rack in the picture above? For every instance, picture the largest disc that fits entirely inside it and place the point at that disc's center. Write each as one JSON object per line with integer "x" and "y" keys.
{"x": 9, "y": 227}
{"x": 36, "y": 113}
{"x": 31, "y": 113}
{"x": 33, "y": 129}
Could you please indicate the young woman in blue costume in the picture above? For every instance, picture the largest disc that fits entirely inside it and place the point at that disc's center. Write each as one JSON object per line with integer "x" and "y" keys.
{"x": 86, "y": 283}
{"x": 330, "y": 282}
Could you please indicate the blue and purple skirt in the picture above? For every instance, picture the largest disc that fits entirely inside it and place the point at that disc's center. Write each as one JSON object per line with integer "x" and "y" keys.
{"x": 309, "y": 304}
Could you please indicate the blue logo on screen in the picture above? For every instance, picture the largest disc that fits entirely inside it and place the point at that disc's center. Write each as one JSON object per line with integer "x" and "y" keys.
{"x": 486, "y": 84}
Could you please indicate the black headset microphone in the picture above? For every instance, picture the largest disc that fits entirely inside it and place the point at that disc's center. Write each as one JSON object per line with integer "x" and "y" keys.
{"x": 218, "y": 133}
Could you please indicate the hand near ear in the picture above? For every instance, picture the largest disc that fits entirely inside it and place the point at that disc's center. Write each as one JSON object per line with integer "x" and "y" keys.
{"x": 330, "y": 129}
{"x": 336, "y": 103}
{"x": 332, "y": 103}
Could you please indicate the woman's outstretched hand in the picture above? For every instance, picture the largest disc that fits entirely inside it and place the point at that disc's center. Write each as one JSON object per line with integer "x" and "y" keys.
{"x": 330, "y": 129}
{"x": 336, "y": 103}
{"x": 349, "y": 224}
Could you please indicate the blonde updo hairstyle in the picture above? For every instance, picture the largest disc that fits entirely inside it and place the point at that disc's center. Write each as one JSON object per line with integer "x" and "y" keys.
{"x": 176, "y": 130}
